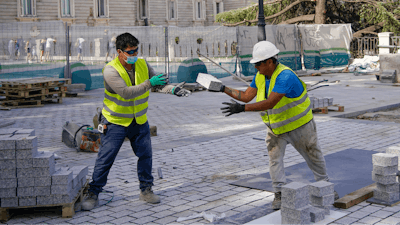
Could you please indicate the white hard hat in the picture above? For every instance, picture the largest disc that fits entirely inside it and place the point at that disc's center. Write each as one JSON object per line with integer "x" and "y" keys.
{"x": 263, "y": 50}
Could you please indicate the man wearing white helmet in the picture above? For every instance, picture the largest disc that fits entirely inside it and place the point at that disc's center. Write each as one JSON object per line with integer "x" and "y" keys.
{"x": 286, "y": 110}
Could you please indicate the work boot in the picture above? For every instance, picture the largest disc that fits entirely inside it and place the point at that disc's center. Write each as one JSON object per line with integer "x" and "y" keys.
{"x": 336, "y": 195}
{"x": 148, "y": 196}
{"x": 90, "y": 201}
{"x": 276, "y": 204}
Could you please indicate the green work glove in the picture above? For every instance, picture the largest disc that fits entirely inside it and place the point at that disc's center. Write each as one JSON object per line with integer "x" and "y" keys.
{"x": 158, "y": 80}
{"x": 179, "y": 91}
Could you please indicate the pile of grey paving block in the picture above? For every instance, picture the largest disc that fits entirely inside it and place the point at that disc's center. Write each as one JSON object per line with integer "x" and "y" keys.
{"x": 29, "y": 177}
{"x": 321, "y": 102}
{"x": 296, "y": 207}
{"x": 385, "y": 169}
{"x": 388, "y": 76}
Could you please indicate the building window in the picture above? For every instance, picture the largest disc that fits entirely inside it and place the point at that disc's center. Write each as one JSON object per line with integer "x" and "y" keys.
{"x": 172, "y": 9}
{"x": 198, "y": 10}
{"x": 199, "y": 7}
{"x": 28, "y": 7}
{"x": 101, "y": 12}
{"x": 143, "y": 11}
{"x": 65, "y": 8}
{"x": 218, "y": 7}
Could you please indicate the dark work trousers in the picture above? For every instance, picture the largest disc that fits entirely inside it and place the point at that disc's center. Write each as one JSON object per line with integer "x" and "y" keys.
{"x": 112, "y": 140}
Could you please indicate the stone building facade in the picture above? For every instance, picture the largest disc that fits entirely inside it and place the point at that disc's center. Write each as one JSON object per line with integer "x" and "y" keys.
{"x": 181, "y": 13}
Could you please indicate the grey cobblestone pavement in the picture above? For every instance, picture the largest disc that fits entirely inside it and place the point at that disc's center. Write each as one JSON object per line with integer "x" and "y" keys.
{"x": 200, "y": 152}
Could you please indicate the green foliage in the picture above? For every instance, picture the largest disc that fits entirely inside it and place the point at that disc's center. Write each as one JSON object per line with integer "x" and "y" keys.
{"x": 385, "y": 12}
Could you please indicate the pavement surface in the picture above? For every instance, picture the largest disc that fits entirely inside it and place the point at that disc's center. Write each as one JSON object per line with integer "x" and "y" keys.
{"x": 200, "y": 152}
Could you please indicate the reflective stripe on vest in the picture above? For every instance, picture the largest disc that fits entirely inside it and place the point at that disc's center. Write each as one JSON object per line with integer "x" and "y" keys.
{"x": 118, "y": 110}
{"x": 289, "y": 113}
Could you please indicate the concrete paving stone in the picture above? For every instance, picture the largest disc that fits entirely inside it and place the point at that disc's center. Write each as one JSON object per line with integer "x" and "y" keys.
{"x": 197, "y": 203}
{"x": 181, "y": 208}
{"x": 8, "y": 192}
{"x": 9, "y": 202}
{"x": 388, "y": 179}
{"x": 8, "y": 174}
{"x": 388, "y": 188}
{"x": 102, "y": 220}
{"x": 346, "y": 220}
{"x": 324, "y": 200}
{"x": 122, "y": 220}
{"x": 370, "y": 209}
{"x": 44, "y": 159}
{"x": 385, "y": 170}
{"x": 364, "y": 203}
{"x": 142, "y": 213}
{"x": 321, "y": 188}
{"x": 395, "y": 208}
{"x": 42, "y": 181}
{"x": 37, "y": 220}
{"x": 61, "y": 189}
{"x": 162, "y": 214}
{"x": 160, "y": 208}
{"x": 166, "y": 220}
{"x": 7, "y": 154}
{"x": 387, "y": 196}
{"x": 395, "y": 150}
{"x": 385, "y": 159}
{"x": 207, "y": 206}
{"x": 37, "y": 190}
{"x": 390, "y": 220}
{"x": 382, "y": 214}
{"x": 27, "y": 201}
{"x": 24, "y": 163}
{"x": 144, "y": 220}
{"x": 295, "y": 190}
{"x": 195, "y": 197}
{"x": 26, "y": 142}
{"x": 121, "y": 213}
{"x": 8, "y": 183}
{"x": 102, "y": 214}
{"x": 30, "y": 132}
{"x": 100, "y": 208}
{"x": 287, "y": 220}
{"x": 177, "y": 202}
{"x": 25, "y": 191}
{"x": 118, "y": 203}
{"x": 209, "y": 198}
{"x": 370, "y": 220}
{"x": 80, "y": 220}
{"x": 25, "y": 153}
{"x": 295, "y": 203}
{"x": 62, "y": 176}
{"x": 223, "y": 208}
{"x": 232, "y": 198}
{"x": 7, "y": 163}
{"x": 301, "y": 213}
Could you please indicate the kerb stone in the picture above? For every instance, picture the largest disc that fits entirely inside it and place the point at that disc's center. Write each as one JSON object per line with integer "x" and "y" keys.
{"x": 317, "y": 214}
{"x": 26, "y": 182}
{"x": 301, "y": 213}
{"x": 45, "y": 200}
{"x": 321, "y": 188}
{"x": 43, "y": 171}
{"x": 61, "y": 189}
{"x": 8, "y": 183}
{"x": 7, "y": 154}
{"x": 25, "y": 173}
{"x": 26, "y": 153}
{"x": 9, "y": 202}
{"x": 386, "y": 196}
{"x": 395, "y": 150}
{"x": 44, "y": 159}
{"x": 324, "y": 200}
{"x": 288, "y": 220}
{"x": 7, "y": 163}
{"x": 24, "y": 163}
{"x": 385, "y": 170}
{"x": 385, "y": 159}
{"x": 295, "y": 190}
{"x": 42, "y": 181}
{"x": 389, "y": 179}
{"x": 6, "y": 143}
{"x": 8, "y": 192}
{"x": 62, "y": 176}
{"x": 25, "y": 191}
{"x": 388, "y": 188}
{"x": 61, "y": 199}
{"x": 295, "y": 203}
{"x": 29, "y": 142}
{"x": 10, "y": 173}
{"x": 27, "y": 201}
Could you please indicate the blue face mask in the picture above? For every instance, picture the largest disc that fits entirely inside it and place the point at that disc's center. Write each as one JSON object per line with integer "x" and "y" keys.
{"x": 131, "y": 59}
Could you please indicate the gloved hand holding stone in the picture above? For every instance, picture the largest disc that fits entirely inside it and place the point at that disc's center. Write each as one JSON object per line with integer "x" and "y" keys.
{"x": 158, "y": 80}
{"x": 222, "y": 89}
{"x": 180, "y": 91}
{"x": 233, "y": 108}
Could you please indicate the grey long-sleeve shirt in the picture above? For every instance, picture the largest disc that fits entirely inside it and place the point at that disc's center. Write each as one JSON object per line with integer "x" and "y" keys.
{"x": 116, "y": 85}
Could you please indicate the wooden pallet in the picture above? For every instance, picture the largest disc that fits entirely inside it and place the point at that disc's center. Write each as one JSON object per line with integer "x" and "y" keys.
{"x": 68, "y": 209}
{"x": 23, "y": 84}
{"x": 324, "y": 110}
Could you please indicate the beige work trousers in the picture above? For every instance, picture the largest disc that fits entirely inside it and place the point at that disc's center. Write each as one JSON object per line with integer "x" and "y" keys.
{"x": 304, "y": 139}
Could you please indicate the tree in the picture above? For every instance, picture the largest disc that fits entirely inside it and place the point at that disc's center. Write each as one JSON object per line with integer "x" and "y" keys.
{"x": 365, "y": 16}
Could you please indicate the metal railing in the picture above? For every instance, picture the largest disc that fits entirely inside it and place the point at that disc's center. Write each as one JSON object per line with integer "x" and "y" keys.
{"x": 364, "y": 46}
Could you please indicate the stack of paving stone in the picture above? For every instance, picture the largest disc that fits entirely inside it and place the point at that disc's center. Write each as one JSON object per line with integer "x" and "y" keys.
{"x": 29, "y": 177}
{"x": 321, "y": 102}
{"x": 322, "y": 197}
{"x": 295, "y": 206}
{"x": 385, "y": 168}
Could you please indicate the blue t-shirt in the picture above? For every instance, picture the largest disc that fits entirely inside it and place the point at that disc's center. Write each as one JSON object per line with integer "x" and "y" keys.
{"x": 286, "y": 83}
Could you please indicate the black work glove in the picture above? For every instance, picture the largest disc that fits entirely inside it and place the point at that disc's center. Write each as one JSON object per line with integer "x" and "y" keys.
{"x": 234, "y": 107}
{"x": 220, "y": 90}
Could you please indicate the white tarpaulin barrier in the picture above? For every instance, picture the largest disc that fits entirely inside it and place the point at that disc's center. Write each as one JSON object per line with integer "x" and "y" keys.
{"x": 325, "y": 45}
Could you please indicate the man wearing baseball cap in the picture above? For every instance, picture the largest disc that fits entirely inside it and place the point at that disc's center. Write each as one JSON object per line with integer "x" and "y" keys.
{"x": 281, "y": 98}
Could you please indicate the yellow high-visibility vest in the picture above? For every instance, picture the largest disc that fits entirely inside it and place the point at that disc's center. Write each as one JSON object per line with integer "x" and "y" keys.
{"x": 118, "y": 110}
{"x": 289, "y": 113}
